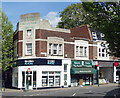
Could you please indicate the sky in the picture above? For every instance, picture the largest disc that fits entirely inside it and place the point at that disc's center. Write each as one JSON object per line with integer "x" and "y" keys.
{"x": 47, "y": 10}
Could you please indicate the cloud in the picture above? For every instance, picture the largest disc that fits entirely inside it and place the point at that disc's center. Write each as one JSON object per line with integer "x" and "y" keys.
{"x": 53, "y": 18}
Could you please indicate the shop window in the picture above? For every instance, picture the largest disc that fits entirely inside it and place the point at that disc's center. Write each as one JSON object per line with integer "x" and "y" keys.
{"x": 34, "y": 78}
{"x": 23, "y": 79}
{"x": 29, "y": 49}
{"x": 65, "y": 68}
{"x": 51, "y": 72}
{"x": 57, "y": 72}
{"x": 44, "y": 72}
{"x": 65, "y": 76}
{"x": 57, "y": 80}
{"x": 51, "y": 80}
{"x": 44, "y": 80}
{"x": 29, "y": 32}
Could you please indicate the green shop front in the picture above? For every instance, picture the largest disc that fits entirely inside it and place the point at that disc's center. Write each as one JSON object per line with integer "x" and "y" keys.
{"x": 82, "y": 73}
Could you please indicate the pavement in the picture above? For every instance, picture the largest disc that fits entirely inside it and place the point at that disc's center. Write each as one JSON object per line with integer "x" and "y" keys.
{"x": 47, "y": 89}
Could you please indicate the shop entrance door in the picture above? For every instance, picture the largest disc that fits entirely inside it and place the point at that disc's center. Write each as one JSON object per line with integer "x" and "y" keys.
{"x": 29, "y": 80}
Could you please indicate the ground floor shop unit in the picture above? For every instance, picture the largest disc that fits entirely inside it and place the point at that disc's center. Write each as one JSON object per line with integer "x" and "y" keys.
{"x": 82, "y": 73}
{"x": 106, "y": 72}
{"x": 53, "y": 73}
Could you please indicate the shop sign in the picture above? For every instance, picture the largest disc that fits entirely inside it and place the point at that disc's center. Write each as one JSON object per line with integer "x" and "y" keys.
{"x": 76, "y": 63}
{"x": 39, "y": 62}
{"x": 29, "y": 62}
{"x": 81, "y": 64}
{"x": 52, "y": 62}
{"x": 88, "y": 63}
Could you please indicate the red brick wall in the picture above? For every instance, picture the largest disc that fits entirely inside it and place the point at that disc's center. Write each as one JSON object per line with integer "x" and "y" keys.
{"x": 81, "y": 31}
{"x": 20, "y": 35}
{"x": 43, "y": 47}
{"x": 37, "y": 33}
{"x": 69, "y": 50}
{"x": 20, "y": 49}
{"x": 37, "y": 48}
{"x": 46, "y": 33}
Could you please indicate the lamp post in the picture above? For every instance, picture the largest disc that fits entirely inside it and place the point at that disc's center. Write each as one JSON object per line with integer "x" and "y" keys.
{"x": 98, "y": 74}
{"x": 98, "y": 71}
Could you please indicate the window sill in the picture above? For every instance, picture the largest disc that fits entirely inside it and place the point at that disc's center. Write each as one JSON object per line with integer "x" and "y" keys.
{"x": 81, "y": 56}
{"x": 28, "y": 54}
{"x": 55, "y": 55}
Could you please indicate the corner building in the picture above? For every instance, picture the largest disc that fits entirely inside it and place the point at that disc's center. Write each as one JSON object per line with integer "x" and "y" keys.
{"x": 44, "y": 51}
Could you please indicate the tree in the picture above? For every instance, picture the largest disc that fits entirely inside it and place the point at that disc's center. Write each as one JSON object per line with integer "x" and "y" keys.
{"x": 72, "y": 16}
{"x": 7, "y": 42}
{"x": 105, "y": 17}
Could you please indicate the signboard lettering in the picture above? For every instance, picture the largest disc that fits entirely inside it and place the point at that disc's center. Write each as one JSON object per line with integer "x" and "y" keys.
{"x": 81, "y": 64}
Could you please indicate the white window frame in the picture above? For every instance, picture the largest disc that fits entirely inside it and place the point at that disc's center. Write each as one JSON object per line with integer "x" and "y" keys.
{"x": 28, "y": 49}
{"x": 58, "y": 49}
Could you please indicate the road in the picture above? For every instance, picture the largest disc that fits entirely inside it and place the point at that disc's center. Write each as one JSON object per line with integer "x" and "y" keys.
{"x": 102, "y": 90}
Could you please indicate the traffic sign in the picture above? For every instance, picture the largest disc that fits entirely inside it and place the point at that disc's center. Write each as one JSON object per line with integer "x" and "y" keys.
{"x": 115, "y": 63}
{"x": 97, "y": 64}
{"x": 28, "y": 70}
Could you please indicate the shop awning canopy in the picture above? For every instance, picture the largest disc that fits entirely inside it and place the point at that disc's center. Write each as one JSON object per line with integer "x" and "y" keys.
{"x": 83, "y": 71}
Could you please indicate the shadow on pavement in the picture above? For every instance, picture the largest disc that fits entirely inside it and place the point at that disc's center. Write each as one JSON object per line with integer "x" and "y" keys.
{"x": 114, "y": 93}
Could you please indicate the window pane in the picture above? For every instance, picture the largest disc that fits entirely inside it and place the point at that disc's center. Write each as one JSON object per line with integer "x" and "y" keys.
{"x": 85, "y": 51}
{"x": 65, "y": 76}
{"x": 29, "y": 32}
{"x": 103, "y": 50}
{"x": 77, "y": 54}
{"x": 60, "y": 49}
{"x": 81, "y": 51}
{"x": 55, "y": 48}
{"x": 29, "y": 49}
{"x": 99, "y": 50}
{"x": 50, "y": 48}
{"x": 65, "y": 68}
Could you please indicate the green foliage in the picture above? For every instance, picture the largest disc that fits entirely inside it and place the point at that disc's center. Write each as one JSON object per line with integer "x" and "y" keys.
{"x": 72, "y": 16}
{"x": 7, "y": 42}
{"x": 105, "y": 17}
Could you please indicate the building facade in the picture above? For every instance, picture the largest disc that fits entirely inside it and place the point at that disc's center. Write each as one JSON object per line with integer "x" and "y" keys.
{"x": 57, "y": 57}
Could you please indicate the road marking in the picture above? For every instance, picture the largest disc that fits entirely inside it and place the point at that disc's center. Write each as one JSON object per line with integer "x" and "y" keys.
{"x": 74, "y": 94}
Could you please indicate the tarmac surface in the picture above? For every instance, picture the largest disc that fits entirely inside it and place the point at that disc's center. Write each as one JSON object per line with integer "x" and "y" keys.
{"x": 107, "y": 90}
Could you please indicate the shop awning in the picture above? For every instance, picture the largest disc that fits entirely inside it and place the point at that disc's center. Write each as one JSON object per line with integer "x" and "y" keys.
{"x": 83, "y": 71}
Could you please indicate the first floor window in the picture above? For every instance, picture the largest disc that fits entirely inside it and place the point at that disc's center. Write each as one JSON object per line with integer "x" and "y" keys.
{"x": 29, "y": 49}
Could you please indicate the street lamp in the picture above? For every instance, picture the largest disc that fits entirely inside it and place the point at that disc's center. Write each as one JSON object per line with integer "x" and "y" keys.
{"x": 98, "y": 72}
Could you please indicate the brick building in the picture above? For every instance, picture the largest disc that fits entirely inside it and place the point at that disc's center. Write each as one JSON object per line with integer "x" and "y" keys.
{"x": 55, "y": 57}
